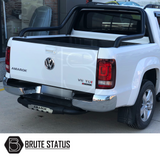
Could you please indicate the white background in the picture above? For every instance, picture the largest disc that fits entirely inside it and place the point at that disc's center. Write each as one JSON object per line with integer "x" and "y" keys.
{"x": 90, "y": 147}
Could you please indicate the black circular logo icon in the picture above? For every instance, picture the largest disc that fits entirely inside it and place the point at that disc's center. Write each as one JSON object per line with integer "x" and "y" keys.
{"x": 49, "y": 63}
{"x": 14, "y": 145}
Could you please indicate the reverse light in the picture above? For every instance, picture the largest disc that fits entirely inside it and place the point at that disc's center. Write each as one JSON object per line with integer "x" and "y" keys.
{"x": 7, "y": 60}
{"x": 106, "y": 73}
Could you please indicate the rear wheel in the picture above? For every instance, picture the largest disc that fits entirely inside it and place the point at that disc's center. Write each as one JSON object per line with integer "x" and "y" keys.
{"x": 144, "y": 106}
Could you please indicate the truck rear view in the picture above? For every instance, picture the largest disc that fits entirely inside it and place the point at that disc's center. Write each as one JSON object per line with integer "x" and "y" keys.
{"x": 83, "y": 70}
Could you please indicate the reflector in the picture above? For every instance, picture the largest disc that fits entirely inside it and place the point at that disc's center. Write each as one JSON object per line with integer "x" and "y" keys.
{"x": 7, "y": 60}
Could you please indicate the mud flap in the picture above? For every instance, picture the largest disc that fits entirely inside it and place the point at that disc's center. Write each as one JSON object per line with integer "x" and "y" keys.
{"x": 126, "y": 115}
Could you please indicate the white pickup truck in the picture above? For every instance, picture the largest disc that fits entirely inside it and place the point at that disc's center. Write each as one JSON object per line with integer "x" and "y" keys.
{"x": 109, "y": 59}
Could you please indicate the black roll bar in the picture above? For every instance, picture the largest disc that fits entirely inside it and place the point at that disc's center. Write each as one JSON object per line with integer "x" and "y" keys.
{"x": 152, "y": 6}
{"x": 33, "y": 29}
{"x": 96, "y": 6}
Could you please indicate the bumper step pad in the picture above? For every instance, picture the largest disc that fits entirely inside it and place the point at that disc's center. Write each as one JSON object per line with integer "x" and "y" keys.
{"x": 48, "y": 104}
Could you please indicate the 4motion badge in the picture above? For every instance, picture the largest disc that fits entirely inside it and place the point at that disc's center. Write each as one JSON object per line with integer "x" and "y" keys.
{"x": 49, "y": 63}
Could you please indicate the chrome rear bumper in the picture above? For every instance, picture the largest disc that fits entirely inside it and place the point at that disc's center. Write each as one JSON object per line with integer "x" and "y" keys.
{"x": 19, "y": 90}
{"x": 98, "y": 103}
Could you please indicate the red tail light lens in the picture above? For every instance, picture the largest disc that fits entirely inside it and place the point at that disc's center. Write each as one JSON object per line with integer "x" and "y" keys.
{"x": 7, "y": 60}
{"x": 106, "y": 74}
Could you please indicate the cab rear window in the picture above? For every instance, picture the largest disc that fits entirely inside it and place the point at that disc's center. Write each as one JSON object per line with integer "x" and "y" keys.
{"x": 109, "y": 22}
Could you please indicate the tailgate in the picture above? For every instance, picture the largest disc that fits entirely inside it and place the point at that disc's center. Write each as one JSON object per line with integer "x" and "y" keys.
{"x": 62, "y": 67}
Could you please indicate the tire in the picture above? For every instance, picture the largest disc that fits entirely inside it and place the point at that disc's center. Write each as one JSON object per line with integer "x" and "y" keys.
{"x": 145, "y": 105}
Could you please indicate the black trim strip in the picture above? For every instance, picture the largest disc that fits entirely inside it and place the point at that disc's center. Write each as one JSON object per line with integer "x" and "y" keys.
{"x": 62, "y": 44}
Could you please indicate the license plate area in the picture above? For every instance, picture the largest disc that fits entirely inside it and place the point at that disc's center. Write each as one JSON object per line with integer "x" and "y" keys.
{"x": 58, "y": 92}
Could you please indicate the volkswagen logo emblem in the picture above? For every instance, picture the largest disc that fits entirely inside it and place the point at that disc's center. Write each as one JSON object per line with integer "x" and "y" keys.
{"x": 49, "y": 63}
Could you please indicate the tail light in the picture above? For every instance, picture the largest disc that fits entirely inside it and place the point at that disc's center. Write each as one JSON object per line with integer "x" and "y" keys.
{"x": 106, "y": 74}
{"x": 87, "y": 1}
{"x": 7, "y": 60}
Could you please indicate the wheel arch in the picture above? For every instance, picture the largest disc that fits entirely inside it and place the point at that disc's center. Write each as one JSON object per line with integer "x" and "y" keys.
{"x": 140, "y": 114}
{"x": 148, "y": 68}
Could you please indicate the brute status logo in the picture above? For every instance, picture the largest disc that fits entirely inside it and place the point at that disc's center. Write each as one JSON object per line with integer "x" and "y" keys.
{"x": 14, "y": 145}
{"x": 49, "y": 144}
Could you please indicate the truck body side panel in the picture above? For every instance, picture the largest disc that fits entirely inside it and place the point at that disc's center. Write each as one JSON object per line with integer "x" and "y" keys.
{"x": 132, "y": 63}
